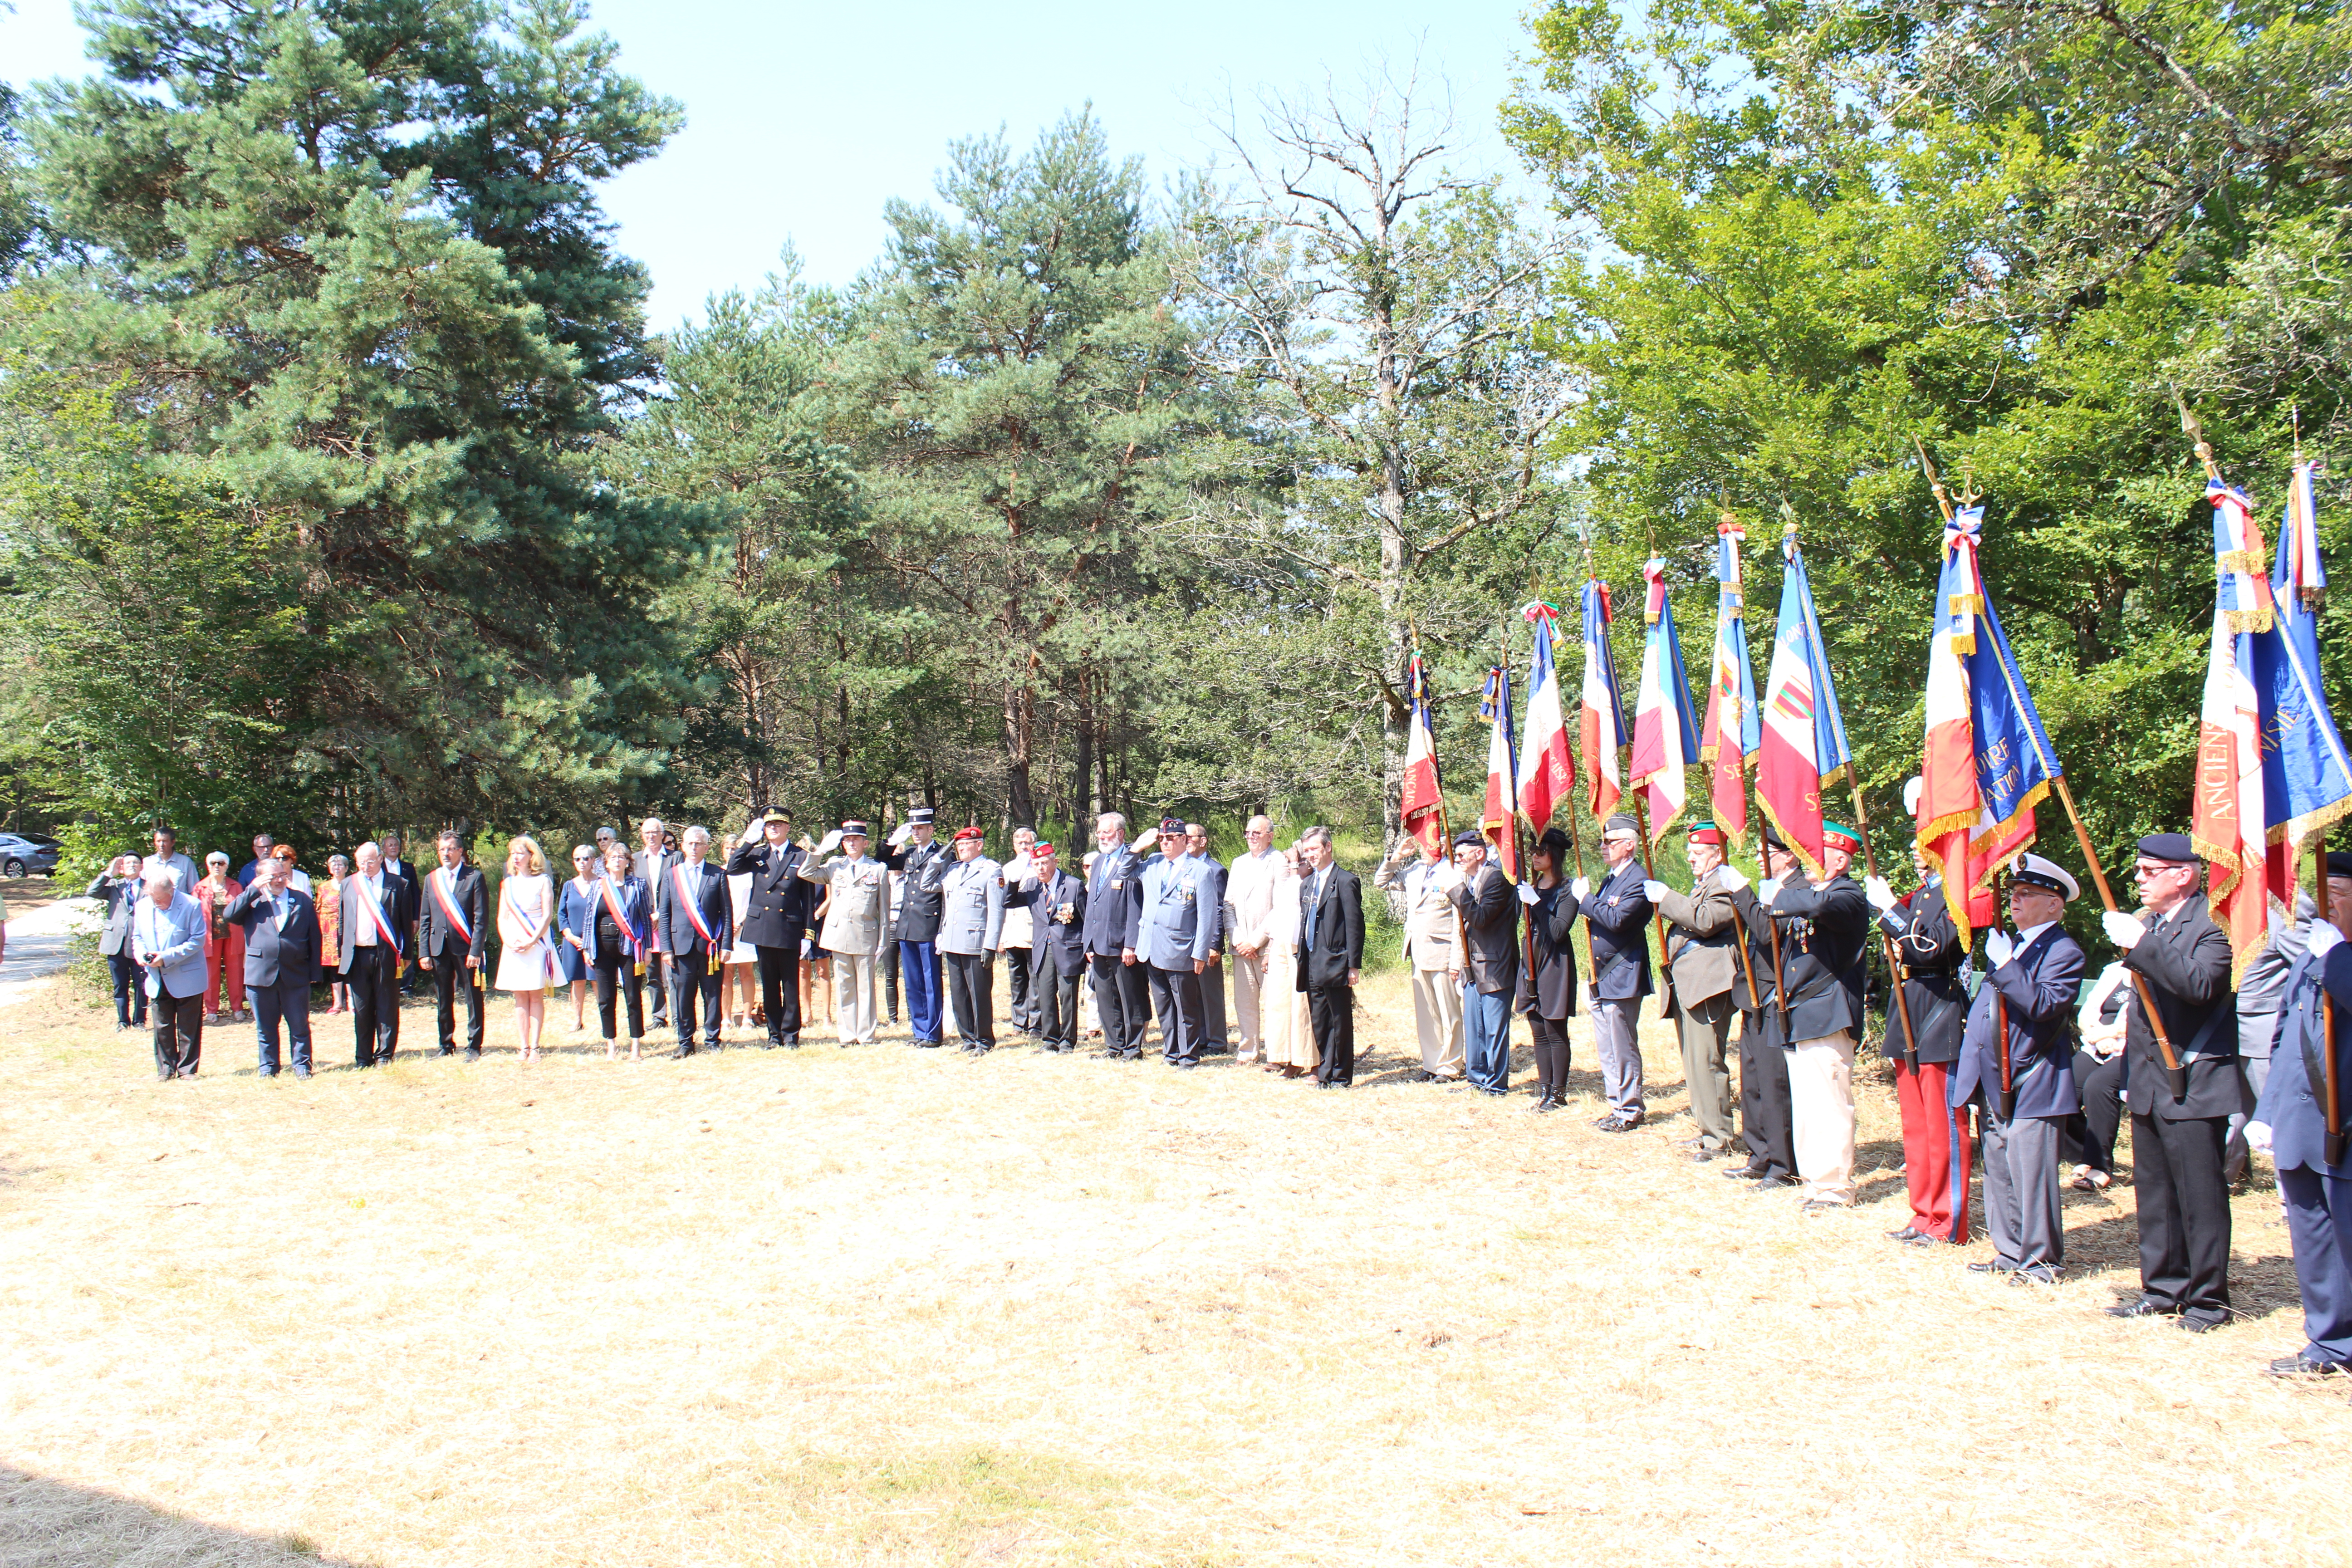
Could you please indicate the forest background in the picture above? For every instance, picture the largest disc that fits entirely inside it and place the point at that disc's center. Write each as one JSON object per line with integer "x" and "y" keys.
{"x": 343, "y": 485}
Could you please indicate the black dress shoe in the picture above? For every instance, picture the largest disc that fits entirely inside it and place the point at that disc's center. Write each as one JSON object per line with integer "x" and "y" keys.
{"x": 473, "y": 1053}
{"x": 449, "y": 1051}
{"x": 1746, "y": 1173}
{"x": 1550, "y": 1103}
{"x": 680, "y": 1054}
{"x": 1995, "y": 1267}
{"x": 2196, "y": 1325}
{"x": 2143, "y": 1307}
{"x": 2302, "y": 1366}
{"x": 1921, "y": 1239}
{"x": 1908, "y": 1233}
{"x": 2035, "y": 1274}
{"x": 1768, "y": 1183}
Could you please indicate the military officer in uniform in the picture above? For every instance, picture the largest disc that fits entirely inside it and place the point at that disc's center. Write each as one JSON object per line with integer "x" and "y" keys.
{"x": 1056, "y": 902}
{"x": 919, "y": 860}
{"x": 1702, "y": 957}
{"x": 2179, "y": 1119}
{"x": 1616, "y": 921}
{"x": 694, "y": 923}
{"x": 775, "y": 917}
{"x": 971, "y": 925}
{"x": 452, "y": 930}
{"x": 1764, "y": 1113}
{"x": 2314, "y": 1023}
{"x": 855, "y": 916}
{"x": 1113, "y": 925}
{"x": 1825, "y": 926}
{"x": 1935, "y": 1141}
{"x": 2028, "y": 997}
{"x": 1433, "y": 951}
{"x": 1178, "y": 931}
{"x": 1215, "y": 1034}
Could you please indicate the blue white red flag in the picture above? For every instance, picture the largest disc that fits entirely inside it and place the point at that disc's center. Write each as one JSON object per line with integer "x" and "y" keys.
{"x": 1665, "y": 739}
{"x": 1803, "y": 746}
{"x": 1421, "y": 807}
{"x": 1733, "y": 726}
{"x": 1500, "y": 820}
{"x": 1601, "y": 717}
{"x": 1547, "y": 771}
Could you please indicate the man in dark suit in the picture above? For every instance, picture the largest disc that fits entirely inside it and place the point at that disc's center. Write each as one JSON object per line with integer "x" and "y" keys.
{"x": 1056, "y": 902}
{"x": 1482, "y": 896}
{"x": 378, "y": 923}
{"x": 1936, "y": 1142}
{"x": 452, "y": 931}
{"x": 775, "y": 919}
{"x": 1825, "y": 926}
{"x": 1330, "y": 957}
{"x": 920, "y": 862}
{"x": 651, "y": 861}
{"x": 2180, "y": 1120}
{"x": 1617, "y": 922}
{"x": 2027, "y": 999}
{"x": 693, "y": 922}
{"x": 284, "y": 957}
{"x": 393, "y": 866}
{"x": 1113, "y": 925}
{"x": 1216, "y": 1036}
{"x": 2315, "y": 1024}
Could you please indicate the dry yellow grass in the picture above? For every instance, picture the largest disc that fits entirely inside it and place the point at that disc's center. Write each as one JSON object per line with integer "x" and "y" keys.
{"x": 892, "y": 1306}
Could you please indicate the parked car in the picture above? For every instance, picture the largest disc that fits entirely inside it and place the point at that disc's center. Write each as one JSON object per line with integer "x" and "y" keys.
{"x": 22, "y": 855}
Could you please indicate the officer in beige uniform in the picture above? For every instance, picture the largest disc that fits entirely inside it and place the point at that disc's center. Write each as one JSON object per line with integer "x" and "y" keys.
{"x": 1702, "y": 962}
{"x": 1433, "y": 948}
{"x": 856, "y": 919}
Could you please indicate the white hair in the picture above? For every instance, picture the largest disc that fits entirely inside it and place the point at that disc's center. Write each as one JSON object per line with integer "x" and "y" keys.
{"x": 364, "y": 848}
{"x": 696, "y": 831}
{"x": 1114, "y": 818}
{"x": 655, "y": 823}
{"x": 163, "y": 876}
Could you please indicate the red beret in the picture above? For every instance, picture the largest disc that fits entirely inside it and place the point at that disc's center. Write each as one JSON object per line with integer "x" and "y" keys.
{"x": 964, "y": 833}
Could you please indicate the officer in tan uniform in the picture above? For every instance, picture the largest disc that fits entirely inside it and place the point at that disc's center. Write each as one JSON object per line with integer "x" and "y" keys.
{"x": 855, "y": 920}
{"x": 1432, "y": 947}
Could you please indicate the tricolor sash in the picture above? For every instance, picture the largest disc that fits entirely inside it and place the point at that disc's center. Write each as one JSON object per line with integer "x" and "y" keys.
{"x": 444, "y": 885}
{"x": 613, "y": 902}
{"x": 521, "y": 915}
{"x": 382, "y": 927}
{"x": 693, "y": 913}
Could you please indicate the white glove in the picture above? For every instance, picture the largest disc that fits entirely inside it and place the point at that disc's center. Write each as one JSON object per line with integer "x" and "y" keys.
{"x": 2322, "y": 936}
{"x": 828, "y": 844}
{"x": 1768, "y": 888}
{"x": 1449, "y": 876}
{"x": 1528, "y": 894}
{"x": 1999, "y": 948}
{"x": 1580, "y": 888}
{"x": 1880, "y": 896}
{"x": 1732, "y": 881}
{"x": 900, "y": 834}
{"x": 2124, "y": 931}
{"x": 1653, "y": 892}
{"x": 1146, "y": 839}
{"x": 2258, "y": 1136}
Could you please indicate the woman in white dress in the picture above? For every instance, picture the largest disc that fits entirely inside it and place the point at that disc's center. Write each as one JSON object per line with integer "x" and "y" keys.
{"x": 527, "y": 955}
{"x": 1281, "y": 1005}
{"x": 742, "y": 978}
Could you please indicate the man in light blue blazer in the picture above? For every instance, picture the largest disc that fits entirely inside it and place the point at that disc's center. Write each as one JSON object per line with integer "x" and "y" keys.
{"x": 168, "y": 934}
{"x": 1181, "y": 912}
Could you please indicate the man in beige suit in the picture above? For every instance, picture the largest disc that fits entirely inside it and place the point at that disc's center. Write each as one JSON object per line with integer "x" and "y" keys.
{"x": 855, "y": 919}
{"x": 1250, "y": 885}
{"x": 1433, "y": 950}
{"x": 1702, "y": 964}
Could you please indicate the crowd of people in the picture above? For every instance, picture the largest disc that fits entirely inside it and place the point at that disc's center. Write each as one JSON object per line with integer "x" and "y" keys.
{"x": 2006, "y": 1059}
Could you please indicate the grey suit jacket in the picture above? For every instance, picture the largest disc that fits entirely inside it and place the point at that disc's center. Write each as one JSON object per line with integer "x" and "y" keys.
{"x": 971, "y": 907}
{"x": 1701, "y": 927}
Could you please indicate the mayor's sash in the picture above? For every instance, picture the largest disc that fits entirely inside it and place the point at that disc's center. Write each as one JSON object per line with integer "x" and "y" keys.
{"x": 694, "y": 914}
{"x": 444, "y": 885}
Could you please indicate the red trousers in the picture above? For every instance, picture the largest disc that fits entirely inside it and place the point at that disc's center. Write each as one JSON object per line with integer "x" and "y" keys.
{"x": 1935, "y": 1151}
{"x": 224, "y": 961}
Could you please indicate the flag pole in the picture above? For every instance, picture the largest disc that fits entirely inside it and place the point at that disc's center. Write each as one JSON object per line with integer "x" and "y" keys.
{"x": 1519, "y": 843}
{"x": 1642, "y": 824}
{"x": 1894, "y": 968}
{"x": 2176, "y": 1076}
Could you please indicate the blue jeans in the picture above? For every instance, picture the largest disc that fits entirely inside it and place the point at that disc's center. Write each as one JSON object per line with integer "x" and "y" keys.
{"x": 1487, "y": 1037}
{"x": 919, "y": 972}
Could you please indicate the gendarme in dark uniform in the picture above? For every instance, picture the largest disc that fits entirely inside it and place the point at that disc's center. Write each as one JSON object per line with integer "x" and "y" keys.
{"x": 775, "y": 919}
{"x": 2179, "y": 1120}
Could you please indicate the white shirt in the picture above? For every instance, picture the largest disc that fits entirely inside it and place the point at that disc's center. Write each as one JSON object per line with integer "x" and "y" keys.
{"x": 1250, "y": 883}
{"x": 2025, "y": 934}
{"x": 363, "y": 932}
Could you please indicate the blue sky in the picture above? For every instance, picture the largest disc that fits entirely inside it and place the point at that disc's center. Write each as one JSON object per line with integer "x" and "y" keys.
{"x": 802, "y": 120}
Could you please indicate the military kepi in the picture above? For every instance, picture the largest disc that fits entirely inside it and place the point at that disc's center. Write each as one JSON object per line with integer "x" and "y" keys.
{"x": 1620, "y": 825}
{"x": 774, "y": 813}
{"x": 853, "y": 828}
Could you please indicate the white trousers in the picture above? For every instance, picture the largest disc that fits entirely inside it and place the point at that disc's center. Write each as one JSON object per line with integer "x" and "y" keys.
{"x": 1821, "y": 1115}
{"x": 1249, "y": 980}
